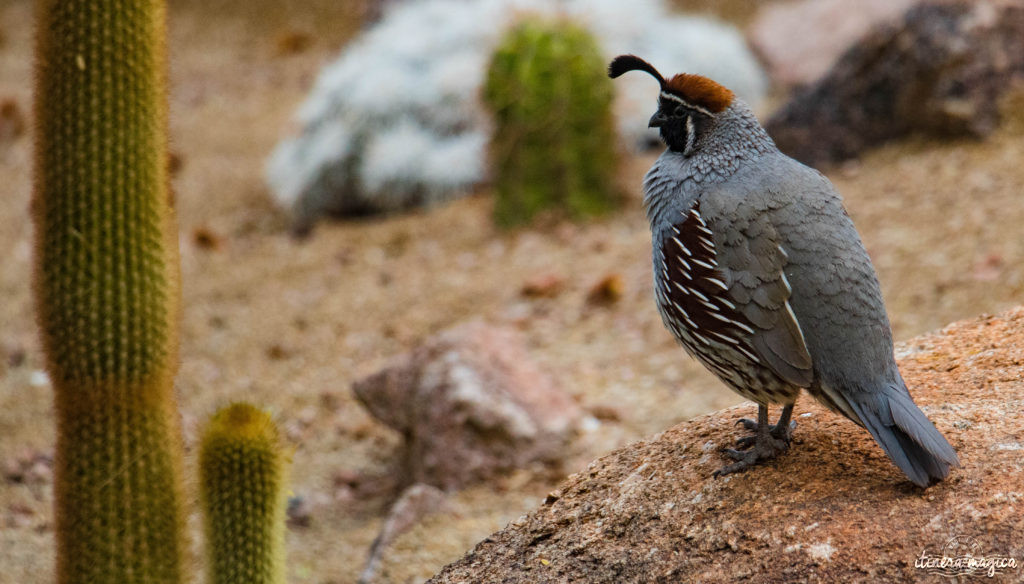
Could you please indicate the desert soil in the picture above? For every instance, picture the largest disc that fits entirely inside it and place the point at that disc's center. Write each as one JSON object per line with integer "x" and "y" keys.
{"x": 290, "y": 324}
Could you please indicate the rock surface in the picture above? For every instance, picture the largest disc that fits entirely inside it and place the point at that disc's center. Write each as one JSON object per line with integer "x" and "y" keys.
{"x": 470, "y": 404}
{"x": 12, "y": 121}
{"x": 833, "y": 509}
{"x": 941, "y": 71}
{"x": 800, "y": 41}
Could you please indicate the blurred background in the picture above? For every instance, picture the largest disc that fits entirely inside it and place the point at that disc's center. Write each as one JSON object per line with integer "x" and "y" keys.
{"x": 336, "y": 205}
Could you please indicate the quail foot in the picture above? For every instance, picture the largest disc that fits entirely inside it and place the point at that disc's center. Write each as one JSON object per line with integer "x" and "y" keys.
{"x": 761, "y": 276}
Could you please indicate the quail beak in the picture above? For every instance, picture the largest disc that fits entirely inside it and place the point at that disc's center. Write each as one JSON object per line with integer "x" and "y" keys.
{"x": 657, "y": 120}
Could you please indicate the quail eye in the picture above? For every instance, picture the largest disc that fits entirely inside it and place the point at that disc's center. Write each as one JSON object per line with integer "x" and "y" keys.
{"x": 679, "y": 111}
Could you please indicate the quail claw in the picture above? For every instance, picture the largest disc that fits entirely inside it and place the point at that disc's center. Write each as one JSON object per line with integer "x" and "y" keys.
{"x": 746, "y": 441}
{"x": 767, "y": 448}
{"x": 733, "y": 454}
{"x": 747, "y": 423}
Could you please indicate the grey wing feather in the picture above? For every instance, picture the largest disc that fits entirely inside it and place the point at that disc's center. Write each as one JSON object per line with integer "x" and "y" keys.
{"x": 753, "y": 262}
{"x": 833, "y": 307}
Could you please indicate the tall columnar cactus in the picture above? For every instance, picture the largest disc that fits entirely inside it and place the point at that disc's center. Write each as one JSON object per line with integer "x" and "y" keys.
{"x": 554, "y": 144}
{"x": 242, "y": 467}
{"x": 107, "y": 287}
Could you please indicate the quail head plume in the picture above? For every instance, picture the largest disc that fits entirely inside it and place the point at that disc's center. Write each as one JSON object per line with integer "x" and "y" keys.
{"x": 760, "y": 274}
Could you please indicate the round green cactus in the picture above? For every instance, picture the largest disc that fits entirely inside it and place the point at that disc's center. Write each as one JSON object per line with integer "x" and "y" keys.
{"x": 242, "y": 467}
{"x": 107, "y": 289}
{"x": 554, "y": 145}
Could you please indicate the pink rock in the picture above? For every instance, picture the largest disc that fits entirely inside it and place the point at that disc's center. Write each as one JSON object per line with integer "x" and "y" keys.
{"x": 800, "y": 41}
{"x": 470, "y": 404}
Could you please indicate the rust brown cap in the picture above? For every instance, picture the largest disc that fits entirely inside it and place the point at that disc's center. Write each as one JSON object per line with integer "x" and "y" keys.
{"x": 699, "y": 91}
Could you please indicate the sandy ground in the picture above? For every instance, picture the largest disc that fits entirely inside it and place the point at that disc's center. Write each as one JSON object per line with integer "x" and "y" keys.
{"x": 290, "y": 325}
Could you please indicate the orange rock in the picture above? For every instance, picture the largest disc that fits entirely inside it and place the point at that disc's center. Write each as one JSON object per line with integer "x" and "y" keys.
{"x": 175, "y": 162}
{"x": 607, "y": 291}
{"x": 832, "y": 509}
{"x": 543, "y": 286}
{"x": 12, "y": 121}
{"x": 293, "y": 42}
{"x": 205, "y": 238}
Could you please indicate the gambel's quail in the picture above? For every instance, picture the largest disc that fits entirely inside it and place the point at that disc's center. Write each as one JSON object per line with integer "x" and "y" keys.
{"x": 760, "y": 274}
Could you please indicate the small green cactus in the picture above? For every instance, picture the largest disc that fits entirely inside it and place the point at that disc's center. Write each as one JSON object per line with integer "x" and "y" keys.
{"x": 554, "y": 144}
{"x": 242, "y": 467}
{"x": 107, "y": 289}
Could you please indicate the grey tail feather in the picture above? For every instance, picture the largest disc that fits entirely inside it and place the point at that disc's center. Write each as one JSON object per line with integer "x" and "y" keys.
{"x": 906, "y": 435}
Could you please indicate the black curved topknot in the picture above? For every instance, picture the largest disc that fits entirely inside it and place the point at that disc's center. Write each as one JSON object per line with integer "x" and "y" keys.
{"x": 625, "y": 63}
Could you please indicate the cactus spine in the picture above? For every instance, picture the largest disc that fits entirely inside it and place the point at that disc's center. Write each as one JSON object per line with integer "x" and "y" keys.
{"x": 554, "y": 144}
{"x": 242, "y": 466}
{"x": 107, "y": 289}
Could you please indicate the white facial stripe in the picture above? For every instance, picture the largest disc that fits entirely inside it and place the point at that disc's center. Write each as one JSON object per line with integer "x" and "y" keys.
{"x": 690, "y": 137}
{"x": 680, "y": 100}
